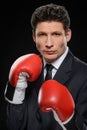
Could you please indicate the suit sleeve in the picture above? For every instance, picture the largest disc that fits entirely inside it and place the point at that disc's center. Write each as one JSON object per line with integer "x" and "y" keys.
{"x": 79, "y": 120}
{"x": 15, "y": 116}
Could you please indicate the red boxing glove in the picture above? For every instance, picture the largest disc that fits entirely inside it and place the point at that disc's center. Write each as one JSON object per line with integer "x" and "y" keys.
{"x": 31, "y": 64}
{"x": 25, "y": 68}
{"x": 55, "y": 96}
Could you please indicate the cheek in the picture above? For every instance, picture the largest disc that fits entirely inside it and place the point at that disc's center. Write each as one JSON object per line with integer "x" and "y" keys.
{"x": 63, "y": 44}
{"x": 58, "y": 46}
{"x": 39, "y": 46}
{"x": 62, "y": 48}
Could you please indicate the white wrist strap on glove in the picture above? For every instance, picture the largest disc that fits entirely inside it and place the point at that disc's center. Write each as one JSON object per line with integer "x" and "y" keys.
{"x": 19, "y": 93}
{"x": 58, "y": 120}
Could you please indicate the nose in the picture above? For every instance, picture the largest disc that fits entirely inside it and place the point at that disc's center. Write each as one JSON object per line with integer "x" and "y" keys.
{"x": 49, "y": 42}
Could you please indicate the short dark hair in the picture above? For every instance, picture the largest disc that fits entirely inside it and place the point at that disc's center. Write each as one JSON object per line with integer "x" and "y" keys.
{"x": 50, "y": 12}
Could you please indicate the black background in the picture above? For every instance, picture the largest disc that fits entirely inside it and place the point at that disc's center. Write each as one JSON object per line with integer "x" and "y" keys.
{"x": 16, "y": 36}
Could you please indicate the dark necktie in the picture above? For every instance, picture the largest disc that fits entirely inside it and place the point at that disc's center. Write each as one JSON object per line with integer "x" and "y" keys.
{"x": 49, "y": 68}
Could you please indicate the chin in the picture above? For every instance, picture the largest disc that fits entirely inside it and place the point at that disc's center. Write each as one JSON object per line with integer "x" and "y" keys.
{"x": 50, "y": 59}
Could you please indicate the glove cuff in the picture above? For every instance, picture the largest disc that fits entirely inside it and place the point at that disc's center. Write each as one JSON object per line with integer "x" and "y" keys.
{"x": 14, "y": 95}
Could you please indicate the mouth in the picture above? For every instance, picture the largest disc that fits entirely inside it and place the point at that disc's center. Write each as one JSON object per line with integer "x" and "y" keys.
{"x": 50, "y": 52}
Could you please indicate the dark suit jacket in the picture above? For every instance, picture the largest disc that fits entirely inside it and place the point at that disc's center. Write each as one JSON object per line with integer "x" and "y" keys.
{"x": 27, "y": 116}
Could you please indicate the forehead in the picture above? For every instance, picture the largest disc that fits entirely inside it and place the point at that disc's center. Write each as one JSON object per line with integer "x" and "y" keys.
{"x": 49, "y": 26}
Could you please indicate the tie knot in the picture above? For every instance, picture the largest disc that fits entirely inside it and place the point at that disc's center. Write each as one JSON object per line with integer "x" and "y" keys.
{"x": 49, "y": 67}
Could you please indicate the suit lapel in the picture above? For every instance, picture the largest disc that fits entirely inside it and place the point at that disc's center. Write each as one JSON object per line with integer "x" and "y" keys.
{"x": 64, "y": 72}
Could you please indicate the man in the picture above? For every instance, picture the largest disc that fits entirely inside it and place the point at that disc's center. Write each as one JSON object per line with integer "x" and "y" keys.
{"x": 51, "y": 33}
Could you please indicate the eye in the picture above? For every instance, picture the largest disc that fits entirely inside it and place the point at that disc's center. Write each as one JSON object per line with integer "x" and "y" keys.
{"x": 56, "y": 34}
{"x": 41, "y": 34}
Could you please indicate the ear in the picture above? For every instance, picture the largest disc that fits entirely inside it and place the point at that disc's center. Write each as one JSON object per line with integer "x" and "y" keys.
{"x": 33, "y": 35}
{"x": 68, "y": 34}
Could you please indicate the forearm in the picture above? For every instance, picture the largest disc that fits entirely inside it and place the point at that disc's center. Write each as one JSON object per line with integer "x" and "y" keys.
{"x": 15, "y": 116}
{"x": 76, "y": 123}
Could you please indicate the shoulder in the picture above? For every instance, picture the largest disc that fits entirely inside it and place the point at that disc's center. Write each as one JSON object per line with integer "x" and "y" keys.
{"x": 77, "y": 64}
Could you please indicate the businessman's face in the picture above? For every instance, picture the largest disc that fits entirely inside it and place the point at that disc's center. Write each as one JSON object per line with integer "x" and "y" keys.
{"x": 51, "y": 39}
